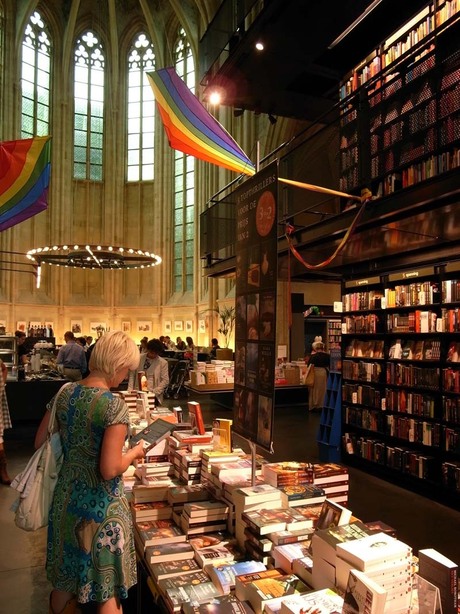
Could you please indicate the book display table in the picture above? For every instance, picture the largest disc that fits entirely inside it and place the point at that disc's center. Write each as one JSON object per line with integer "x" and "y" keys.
{"x": 222, "y": 394}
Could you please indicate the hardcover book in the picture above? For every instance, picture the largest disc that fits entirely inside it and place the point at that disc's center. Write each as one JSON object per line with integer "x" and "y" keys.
{"x": 372, "y": 551}
{"x": 363, "y": 595}
{"x": 324, "y": 541}
{"x": 196, "y": 417}
{"x": 443, "y": 573}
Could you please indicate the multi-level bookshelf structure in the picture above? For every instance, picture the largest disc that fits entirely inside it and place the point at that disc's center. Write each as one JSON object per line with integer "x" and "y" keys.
{"x": 400, "y": 108}
{"x": 401, "y": 377}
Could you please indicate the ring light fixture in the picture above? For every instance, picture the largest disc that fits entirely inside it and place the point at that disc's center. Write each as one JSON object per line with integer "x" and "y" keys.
{"x": 104, "y": 257}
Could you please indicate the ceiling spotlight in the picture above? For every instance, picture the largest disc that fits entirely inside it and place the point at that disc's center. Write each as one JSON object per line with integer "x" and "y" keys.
{"x": 259, "y": 46}
{"x": 215, "y": 98}
{"x": 272, "y": 119}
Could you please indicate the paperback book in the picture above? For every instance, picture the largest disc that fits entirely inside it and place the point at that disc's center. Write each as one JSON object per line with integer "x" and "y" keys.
{"x": 153, "y": 434}
{"x": 178, "y": 551}
{"x": 332, "y": 515}
{"x": 325, "y": 601}
{"x": 363, "y": 595}
{"x": 169, "y": 569}
{"x": 153, "y": 532}
{"x": 223, "y": 575}
{"x": 196, "y": 417}
{"x": 224, "y": 604}
{"x": 443, "y": 573}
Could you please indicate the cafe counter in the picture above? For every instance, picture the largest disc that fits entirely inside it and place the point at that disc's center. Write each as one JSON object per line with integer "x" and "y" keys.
{"x": 27, "y": 399}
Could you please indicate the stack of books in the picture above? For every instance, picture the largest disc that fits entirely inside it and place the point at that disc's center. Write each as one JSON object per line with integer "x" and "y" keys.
{"x": 151, "y": 510}
{"x": 261, "y": 496}
{"x": 333, "y": 479}
{"x": 195, "y": 587}
{"x": 210, "y": 457}
{"x": 178, "y": 496}
{"x": 187, "y": 466}
{"x": 266, "y": 590}
{"x": 302, "y": 494}
{"x": 223, "y": 575}
{"x": 384, "y": 560}
{"x": 288, "y": 473}
{"x": 204, "y": 517}
{"x": 193, "y": 442}
{"x": 318, "y": 602}
{"x": 155, "y": 532}
{"x": 323, "y": 550}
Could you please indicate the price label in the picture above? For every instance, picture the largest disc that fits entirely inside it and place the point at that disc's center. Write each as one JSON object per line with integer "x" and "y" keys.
{"x": 354, "y": 397}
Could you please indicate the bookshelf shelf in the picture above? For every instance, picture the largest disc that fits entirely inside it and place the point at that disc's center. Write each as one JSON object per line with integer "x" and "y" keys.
{"x": 403, "y": 409}
{"x": 400, "y": 107}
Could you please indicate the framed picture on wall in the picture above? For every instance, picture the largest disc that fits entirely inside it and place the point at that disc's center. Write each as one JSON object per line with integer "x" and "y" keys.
{"x": 168, "y": 326}
{"x": 126, "y": 326}
{"x": 22, "y": 326}
{"x": 202, "y": 326}
{"x": 144, "y": 326}
{"x": 76, "y": 326}
{"x": 97, "y": 328}
{"x": 2, "y": 327}
{"x": 178, "y": 325}
{"x": 188, "y": 326}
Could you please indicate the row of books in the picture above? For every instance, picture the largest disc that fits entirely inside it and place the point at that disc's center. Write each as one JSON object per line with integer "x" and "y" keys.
{"x": 368, "y": 349}
{"x": 403, "y": 401}
{"x": 412, "y": 322}
{"x": 412, "y": 295}
{"x": 413, "y": 376}
{"x": 421, "y": 349}
{"x": 363, "y": 395}
{"x": 364, "y": 371}
{"x": 361, "y": 323}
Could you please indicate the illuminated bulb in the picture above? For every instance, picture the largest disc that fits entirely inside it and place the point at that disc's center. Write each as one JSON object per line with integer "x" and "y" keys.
{"x": 215, "y": 98}
{"x": 259, "y": 46}
{"x": 98, "y": 248}
{"x": 75, "y": 246}
{"x": 110, "y": 248}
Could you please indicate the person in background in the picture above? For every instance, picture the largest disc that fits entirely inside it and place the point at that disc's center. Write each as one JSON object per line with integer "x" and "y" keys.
{"x": 90, "y": 555}
{"x": 143, "y": 345}
{"x": 155, "y": 368}
{"x": 5, "y": 423}
{"x": 321, "y": 361}
{"x": 189, "y": 348}
{"x": 180, "y": 344}
{"x": 89, "y": 341}
{"x": 169, "y": 343}
{"x": 81, "y": 341}
{"x": 71, "y": 359}
{"x": 214, "y": 347}
{"x": 22, "y": 350}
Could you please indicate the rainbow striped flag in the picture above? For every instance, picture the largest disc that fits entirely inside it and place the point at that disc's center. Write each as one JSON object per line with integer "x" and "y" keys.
{"x": 24, "y": 179}
{"x": 190, "y": 128}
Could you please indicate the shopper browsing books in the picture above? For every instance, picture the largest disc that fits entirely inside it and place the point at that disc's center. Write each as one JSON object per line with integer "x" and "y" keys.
{"x": 321, "y": 361}
{"x": 90, "y": 551}
{"x": 155, "y": 369}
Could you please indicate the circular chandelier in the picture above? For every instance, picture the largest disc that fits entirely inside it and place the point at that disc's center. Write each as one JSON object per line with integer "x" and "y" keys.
{"x": 104, "y": 257}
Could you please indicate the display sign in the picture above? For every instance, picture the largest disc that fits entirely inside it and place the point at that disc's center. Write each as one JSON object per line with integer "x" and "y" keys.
{"x": 256, "y": 279}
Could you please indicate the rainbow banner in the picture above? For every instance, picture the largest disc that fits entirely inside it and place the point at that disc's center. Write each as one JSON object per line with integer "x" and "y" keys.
{"x": 24, "y": 179}
{"x": 190, "y": 128}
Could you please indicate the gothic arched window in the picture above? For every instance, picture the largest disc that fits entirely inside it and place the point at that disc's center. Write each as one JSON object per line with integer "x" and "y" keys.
{"x": 89, "y": 108}
{"x": 35, "y": 78}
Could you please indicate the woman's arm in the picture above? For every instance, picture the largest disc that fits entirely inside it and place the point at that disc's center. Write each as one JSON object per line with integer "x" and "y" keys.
{"x": 42, "y": 432}
{"x": 113, "y": 462}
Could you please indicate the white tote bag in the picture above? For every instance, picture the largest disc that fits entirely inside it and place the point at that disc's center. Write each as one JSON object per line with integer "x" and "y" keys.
{"x": 37, "y": 482}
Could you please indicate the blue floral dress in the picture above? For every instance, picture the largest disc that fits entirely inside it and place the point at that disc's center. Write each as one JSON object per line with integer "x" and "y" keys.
{"x": 90, "y": 550}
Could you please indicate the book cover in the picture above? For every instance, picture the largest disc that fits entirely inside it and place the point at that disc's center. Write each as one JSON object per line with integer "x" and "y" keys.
{"x": 191, "y": 492}
{"x": 203, "y": 509}
{"x": 154, "y": 532}
{"x": 268, "y": 590}
{"x": 332, "y": 515}
{"x": 378, "y": 526}
{"x": 324, "y": 601}
{"x": 242, "y": 580}
{"x": 363, "y": 595}
{"x": 374, "y": 550}
{"x": 265, "y": 521}
{"x": 193, "y": 578}
{"x": 222, "y": 434}
{"x": 324, "y": 541}
{"x": 196, "y": 417}
{"x": 169, "y": 552}
{"x": 153, "y": 433}
{"x": 190, "y": 593}
{"x": 218, "y": 554}
{"x": 281, "y": 538}
{"x": 169, "y": 569}
{"x": 443, "y": 573}
{"x": 224, "y": 604}
{"x": 329, "y": 472}
{"x": 284, "y": 556}
{"x": 223, "y": 575}
{"x": 301, "y": 494}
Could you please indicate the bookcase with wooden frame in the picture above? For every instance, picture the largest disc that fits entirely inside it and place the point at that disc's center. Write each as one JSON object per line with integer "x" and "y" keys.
{"x": 401, "y": 377}
{"x": 400, "y": 108}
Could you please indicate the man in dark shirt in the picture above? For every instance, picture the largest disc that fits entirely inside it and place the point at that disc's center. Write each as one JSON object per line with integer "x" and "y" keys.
{"x": 71, "y": 359}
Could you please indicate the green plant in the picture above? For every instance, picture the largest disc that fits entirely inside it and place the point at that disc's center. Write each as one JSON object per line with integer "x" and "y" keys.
{"x": 226, "y": 316}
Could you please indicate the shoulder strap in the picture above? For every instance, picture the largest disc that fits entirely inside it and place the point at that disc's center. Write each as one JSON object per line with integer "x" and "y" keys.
{"x": 53, "y": 409}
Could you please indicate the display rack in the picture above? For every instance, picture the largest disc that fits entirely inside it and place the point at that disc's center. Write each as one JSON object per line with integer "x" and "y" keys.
{"x": 401, "y": 376}
{"x": 400, "y": 108}
{"x": 330, "y": 424}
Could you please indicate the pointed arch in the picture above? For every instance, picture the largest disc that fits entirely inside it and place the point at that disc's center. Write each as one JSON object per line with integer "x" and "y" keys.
{"x": 89, "y": 97}
{"x": 36, "y": 56}
{"x": 140, "y": 107}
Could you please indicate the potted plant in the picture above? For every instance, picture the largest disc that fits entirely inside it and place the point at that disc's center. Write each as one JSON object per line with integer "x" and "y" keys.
{"x": 226, "y": 321}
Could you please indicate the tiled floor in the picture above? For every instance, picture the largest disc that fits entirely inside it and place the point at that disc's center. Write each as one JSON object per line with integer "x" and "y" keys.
{"x": 419, "y": 521}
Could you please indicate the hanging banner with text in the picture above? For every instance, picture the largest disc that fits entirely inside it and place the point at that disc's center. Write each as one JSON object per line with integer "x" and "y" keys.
{"x": 255, "y": 326}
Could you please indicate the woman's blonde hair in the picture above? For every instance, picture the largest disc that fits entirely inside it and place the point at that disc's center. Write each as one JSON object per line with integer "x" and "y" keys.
{"x": 112, "y": 352}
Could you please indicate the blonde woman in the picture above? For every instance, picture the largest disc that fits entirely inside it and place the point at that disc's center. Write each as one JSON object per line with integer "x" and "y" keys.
{"x": 90, "y": 553}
